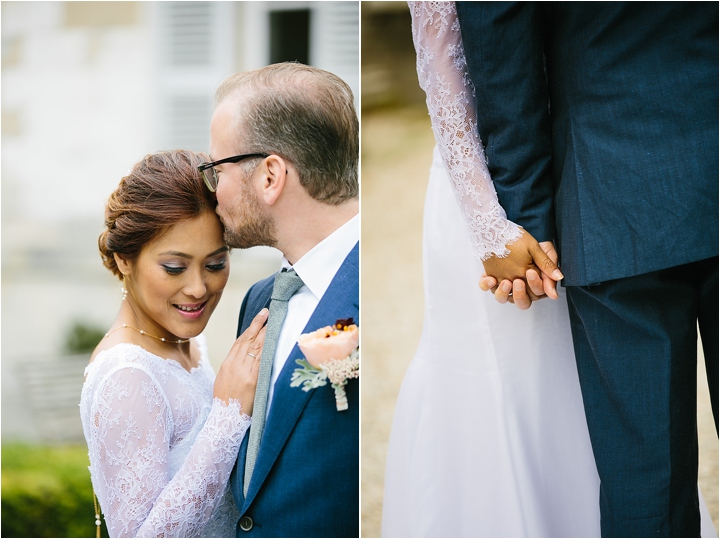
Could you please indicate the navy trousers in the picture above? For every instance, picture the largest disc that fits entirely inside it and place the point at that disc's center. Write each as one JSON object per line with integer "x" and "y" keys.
{"x": 636, "y": 347}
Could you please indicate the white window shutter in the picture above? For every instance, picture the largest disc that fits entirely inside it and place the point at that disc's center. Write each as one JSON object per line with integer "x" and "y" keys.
{"x": 189, "y": 34}
{"x": 195, "y": 44}
{"x": 335, "y": 40}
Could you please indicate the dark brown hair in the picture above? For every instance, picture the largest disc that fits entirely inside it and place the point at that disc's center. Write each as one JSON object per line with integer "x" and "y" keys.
{"x": 160, "y": 191}
{"x": 305, "y": 115}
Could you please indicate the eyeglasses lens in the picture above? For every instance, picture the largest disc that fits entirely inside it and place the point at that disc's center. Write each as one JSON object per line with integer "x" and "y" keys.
{"x": 210, "y": 177}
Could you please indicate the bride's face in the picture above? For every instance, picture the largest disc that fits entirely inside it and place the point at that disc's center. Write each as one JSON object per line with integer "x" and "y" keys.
{"x": 178, "y": 279}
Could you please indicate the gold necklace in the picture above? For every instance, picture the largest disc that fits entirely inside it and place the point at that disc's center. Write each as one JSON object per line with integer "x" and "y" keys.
{"x": 143, "y": 332}
{"x": 98, "y": 522}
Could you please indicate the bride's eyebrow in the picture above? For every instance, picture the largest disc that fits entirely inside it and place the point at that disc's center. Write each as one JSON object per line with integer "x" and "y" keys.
{"x": 175, "y": 253}
{"x": 222, "y": 249}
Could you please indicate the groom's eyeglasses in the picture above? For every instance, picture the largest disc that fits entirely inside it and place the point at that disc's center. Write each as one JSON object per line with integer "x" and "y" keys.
{"x": 210, "y": 174}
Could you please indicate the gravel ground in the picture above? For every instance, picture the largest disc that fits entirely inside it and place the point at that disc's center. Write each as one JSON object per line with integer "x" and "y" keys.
{"x": 396, "y": 155}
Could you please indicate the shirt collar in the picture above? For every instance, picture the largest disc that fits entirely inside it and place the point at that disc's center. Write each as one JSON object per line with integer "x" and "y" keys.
{"x": 320, "y": 264}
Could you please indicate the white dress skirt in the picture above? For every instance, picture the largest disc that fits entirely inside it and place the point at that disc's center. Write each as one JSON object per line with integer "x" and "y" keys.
{"x": 489, "y": 437}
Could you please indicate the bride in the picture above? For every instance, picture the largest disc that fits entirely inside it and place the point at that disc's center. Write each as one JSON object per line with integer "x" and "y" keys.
{"x": 162, "y": 432}
{"x": 489, "y": 437}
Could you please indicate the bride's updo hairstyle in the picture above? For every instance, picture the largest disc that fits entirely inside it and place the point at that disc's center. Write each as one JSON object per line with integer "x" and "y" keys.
{"x": 159, "y": 192}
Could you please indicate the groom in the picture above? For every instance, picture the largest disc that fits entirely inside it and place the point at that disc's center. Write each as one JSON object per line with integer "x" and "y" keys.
{"x": 600, "y": 126}
{"x": 298, "y": 192}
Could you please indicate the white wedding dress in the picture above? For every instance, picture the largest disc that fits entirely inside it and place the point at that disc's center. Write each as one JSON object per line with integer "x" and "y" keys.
{"x": 489, "y": 437}
{"x": 161, "y": 448}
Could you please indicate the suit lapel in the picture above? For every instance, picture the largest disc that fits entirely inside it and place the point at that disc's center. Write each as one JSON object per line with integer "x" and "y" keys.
{"x": 339, "y": 301}
{"x": 255, "y": 300}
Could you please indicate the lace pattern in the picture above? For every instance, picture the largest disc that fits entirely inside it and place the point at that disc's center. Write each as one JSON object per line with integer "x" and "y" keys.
{"x": 450, "y": 97}
{"x": 161, "y": 448}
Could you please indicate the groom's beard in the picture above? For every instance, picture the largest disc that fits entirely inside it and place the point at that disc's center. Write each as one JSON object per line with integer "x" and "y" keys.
{"x": 248, "y": 226}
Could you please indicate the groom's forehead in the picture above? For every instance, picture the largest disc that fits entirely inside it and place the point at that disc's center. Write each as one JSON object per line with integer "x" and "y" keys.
{"x": 226, "y": 131}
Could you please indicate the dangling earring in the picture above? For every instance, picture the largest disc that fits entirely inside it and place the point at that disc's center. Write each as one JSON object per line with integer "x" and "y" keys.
{"x": 124, "y": 290}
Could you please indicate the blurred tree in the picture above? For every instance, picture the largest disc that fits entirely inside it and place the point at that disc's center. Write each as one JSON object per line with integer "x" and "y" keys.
{"x": 82, "y": 338}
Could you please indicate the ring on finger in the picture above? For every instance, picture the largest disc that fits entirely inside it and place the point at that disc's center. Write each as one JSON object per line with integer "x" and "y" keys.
{"x": 252, "y": 355}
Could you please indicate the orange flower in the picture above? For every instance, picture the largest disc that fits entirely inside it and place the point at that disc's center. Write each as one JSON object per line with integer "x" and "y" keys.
{"x": 330, "y": 342}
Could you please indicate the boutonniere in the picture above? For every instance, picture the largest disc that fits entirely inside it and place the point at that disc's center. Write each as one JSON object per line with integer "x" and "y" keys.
{"x": 331, "y": 353}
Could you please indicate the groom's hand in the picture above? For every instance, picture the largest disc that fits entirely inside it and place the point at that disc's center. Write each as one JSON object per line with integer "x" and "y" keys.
{"x": 516, "y": 292}
{"x": 549, "y": 282}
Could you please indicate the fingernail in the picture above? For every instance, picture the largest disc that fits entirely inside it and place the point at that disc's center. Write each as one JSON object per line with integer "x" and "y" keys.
{"x": 558, "y": 274}
{"x": 506, "y": 287}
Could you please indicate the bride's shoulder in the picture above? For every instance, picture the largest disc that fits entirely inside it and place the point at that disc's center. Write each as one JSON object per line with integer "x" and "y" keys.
{"x": 111, "y": 348}
{"x": 111, "y": 355}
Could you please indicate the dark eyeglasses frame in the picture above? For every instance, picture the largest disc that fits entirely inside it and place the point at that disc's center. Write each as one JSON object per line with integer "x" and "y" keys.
{"x": 234, "y": 159}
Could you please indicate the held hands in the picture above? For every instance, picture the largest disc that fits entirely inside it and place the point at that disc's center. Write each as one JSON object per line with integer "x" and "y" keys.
{"x": 237, "y": 377}
{"x": 529, "y": 273}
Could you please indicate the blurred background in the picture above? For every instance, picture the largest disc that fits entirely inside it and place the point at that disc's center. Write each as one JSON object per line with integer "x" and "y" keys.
{"x": 397, "y": 144}
{"x": 89, "y": 88}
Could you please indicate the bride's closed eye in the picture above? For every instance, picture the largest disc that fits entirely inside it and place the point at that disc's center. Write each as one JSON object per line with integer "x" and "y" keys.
{"x": 217, "y": 266}
{"x": 214, "y": 266}
{"x": 173, "y": 270}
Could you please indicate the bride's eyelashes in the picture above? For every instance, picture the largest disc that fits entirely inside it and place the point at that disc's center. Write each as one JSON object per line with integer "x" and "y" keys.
{"x": 173, "y": 270}
{"x": 218, "y": 266}
{"x": 213, "y": 267}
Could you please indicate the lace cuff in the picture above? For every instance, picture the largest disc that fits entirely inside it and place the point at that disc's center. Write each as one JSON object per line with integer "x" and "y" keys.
{"x": 224, "y": 419}
{"x": 450, "y": 97}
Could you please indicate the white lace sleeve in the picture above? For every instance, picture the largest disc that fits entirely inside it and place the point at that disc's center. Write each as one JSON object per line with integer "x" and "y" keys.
{"x": 130, "y": 433}
{"x": 442, "y": 73}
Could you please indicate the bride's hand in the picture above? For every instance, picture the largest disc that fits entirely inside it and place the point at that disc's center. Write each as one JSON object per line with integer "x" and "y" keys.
{"x": 237, "y": 377}
{"x": 525, "y": 254}
{"x": 534, "y": 284}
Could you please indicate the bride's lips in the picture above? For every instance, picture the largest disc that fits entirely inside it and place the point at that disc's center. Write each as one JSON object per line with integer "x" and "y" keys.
{"x": 190, "y": 310}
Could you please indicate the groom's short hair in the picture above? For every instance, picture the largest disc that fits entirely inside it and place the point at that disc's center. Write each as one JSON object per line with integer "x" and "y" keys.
{"x": 305, "y": 115}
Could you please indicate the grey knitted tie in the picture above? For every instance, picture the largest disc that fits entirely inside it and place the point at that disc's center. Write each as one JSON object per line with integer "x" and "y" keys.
{"x": 286, "y": 284}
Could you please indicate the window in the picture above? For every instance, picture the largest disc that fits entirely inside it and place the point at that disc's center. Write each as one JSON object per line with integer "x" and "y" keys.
{"x": 290, "y": 36}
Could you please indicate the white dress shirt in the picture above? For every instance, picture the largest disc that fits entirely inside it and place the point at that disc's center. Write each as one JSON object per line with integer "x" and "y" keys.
{"x": 316, "y": 268}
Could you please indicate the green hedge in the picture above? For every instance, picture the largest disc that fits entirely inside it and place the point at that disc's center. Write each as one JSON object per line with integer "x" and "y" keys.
{"x": 46, "y": 492}
{"x": 82, "y": 337}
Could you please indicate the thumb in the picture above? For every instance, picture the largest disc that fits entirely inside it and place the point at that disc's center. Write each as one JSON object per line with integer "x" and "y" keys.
{"x": 545, "y": 264}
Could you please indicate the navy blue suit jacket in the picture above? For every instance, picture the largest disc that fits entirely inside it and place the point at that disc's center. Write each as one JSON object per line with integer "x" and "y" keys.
{"x": 306, "y": 477}
{"x": 600, "y": 125}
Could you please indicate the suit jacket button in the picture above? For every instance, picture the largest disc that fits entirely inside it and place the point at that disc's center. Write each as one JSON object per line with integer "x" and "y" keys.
{"x": 246, "y": 523}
